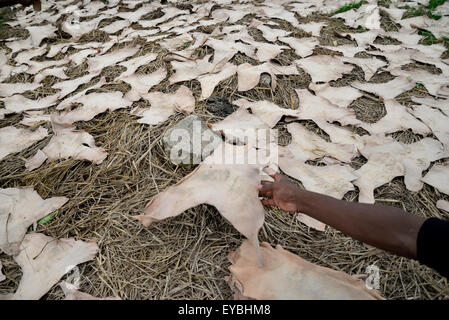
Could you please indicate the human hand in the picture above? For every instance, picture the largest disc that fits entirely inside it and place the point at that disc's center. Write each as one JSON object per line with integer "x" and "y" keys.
{"x": 281, "y": 193}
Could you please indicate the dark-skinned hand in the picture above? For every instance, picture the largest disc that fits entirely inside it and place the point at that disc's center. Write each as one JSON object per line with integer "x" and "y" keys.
{"x": 281, "y": 193}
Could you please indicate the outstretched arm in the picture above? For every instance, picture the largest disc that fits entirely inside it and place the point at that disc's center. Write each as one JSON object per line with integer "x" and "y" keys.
{"x": 384, "y": 227}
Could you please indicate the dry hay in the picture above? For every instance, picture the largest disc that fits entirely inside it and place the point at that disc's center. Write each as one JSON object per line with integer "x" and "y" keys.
{"x": 185, "y": 257}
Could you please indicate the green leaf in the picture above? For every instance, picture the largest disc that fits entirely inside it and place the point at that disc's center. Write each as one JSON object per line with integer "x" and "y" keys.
{"x": 348, "y": 6}
{"x": 46, "y": 219}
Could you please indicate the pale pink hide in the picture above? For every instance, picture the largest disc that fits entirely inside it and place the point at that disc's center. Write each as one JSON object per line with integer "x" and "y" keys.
{"x": 438, "y": 177}
{"x": 14, "y": 140}
{"x": 267, "y": 111}
{"x": 66, "y": 143}
{"x": 235, "y": 126}
{"x": 323, "y": 68}
{"x": 249, "y": 75}
{"x": 230, "y": 187}
{"x": 20, "y": 208}
{"x": 44, "y": 260}
{"x": 307, "y": 145}
{"x": 286, "y": 276}
{"x": 72, "y": 293}
{"x": 317, "y": 108}
{"x": 93, "y": 104}
{"x": 332, "y": 180}
{"x": 388, "y": 158}
{"x": 163, "y": 105}
{"x": 387, "y": 90}
{"x": 396, "y": 119}
{"x": 441, "y": 204}
{"x": 340, "y": 96}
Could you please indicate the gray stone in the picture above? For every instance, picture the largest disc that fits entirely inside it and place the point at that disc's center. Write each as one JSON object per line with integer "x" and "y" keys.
{"x": 265, "y": 80}
{"x": 190, "y": 141}
{"x": 219, "y": 106}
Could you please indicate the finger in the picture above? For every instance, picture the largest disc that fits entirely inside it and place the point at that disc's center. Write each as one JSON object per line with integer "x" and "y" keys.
{"x": 266, "y": 190}
{"x": 265, "y": 194}
{"x": 265, "y": 182}
{"x": 275, "y": 175}
{"x": 268, "y": 202}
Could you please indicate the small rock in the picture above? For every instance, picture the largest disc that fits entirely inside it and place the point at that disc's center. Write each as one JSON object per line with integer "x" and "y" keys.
{"x": 219, "y": 106}
{"x": 265, "y": 80}
{"x": 190, "y": 141}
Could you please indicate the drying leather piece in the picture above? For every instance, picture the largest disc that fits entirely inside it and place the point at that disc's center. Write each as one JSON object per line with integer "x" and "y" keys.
{"x": 116, "y": 26}
{"x": 388, "y": 159}
{"x": 249, "y": 76}
{"x": 174, "y": 43}
{"x": 380, "y": 169}
{"x": 93, "y": 104}
{"x": 215, "y": 182}
{"x": 437, "y": 177}
{"x": 58, "y": 72}
{"x": 19, "y": 209}
{"x": 347, "y": 50}
{"x": 285, "y": 276}
{"x": 341, "y": 135}
{"x": 142, "y": 83}
{"x": 9, "y": 89}
{"x": 78, "y": 57}
{"x": 78, "y": 28}
{"x": 189, "y": 70}
{"x": 271, "y": 34}
{"x": 265, "y": 110}
{"x": 410, "y": 37}
{"x": 332, "y": 180}
{"x": 303, "y": 46}
{"x": 38, "y": 33}
{"x": 163, "y": 105}
{"x": 367, "y": 16}
{"x": 313, "y": 27}
{"x": 44, "y": 260}
{"x": 316, "y": 108}
{"x": 368, "y": 65}
{"x": 68, "y": 102}
{"x": 441, "y": 204}
{"x": 225, "y": 49}
{"x": 323, "y": 68}
{"x": 436, "y": 121}
{"x": 266, "y": 51}
{"x": 397, "y": 56}
{"x": 14, "y": 139}
{"x": 307, "y": 145}
{"x": 18, "y": 103}
{"x": 66, "y": 143}
{"x": 33, "y": 118}
{"x": 437, "y": 85}
{"x": 97, "y": 63}
{"x": 235, "y": 126}
{"x": 442, "y": 104}
{"x": 363, "y": 38}
{"x": 25, "y": 56}
{"x": 396, "y": 119}
{"x": 37, "y": 66}
{"x": 340, "y": 96}
{"x": 135, "y": 15}
{"x": 210, "y": 81}
{"x": 69, "y": 86}
{"x": 71, "y": 293}
{"x": 387, "y": 90}
{"x": 19, "y": 45}
{"x": 133, "y": 64}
